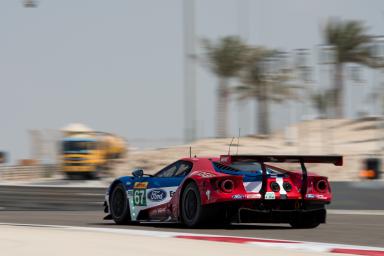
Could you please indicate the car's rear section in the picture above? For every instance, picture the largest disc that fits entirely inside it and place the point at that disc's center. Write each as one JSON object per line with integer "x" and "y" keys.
{"x": 250, "y": 189}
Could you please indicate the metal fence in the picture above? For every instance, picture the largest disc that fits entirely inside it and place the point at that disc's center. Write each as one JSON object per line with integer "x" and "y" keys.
{"x": 22, "y": 172}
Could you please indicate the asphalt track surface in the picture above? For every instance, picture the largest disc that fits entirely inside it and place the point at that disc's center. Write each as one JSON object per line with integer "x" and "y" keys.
{"x": 83, "y": 207}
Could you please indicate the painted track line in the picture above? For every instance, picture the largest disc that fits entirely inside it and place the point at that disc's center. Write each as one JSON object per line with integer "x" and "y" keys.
{"x": 356, "y": 212}
{"x": 250, "y": 241}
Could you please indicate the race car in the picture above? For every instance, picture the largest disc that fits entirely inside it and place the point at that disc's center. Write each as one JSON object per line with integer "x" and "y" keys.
{"x": 199, "y": 191}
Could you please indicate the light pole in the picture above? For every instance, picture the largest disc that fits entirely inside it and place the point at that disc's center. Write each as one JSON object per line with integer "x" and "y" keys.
{"x": 243, "y": 25}
{"x": 190, "y": 118}
{"x": 326, "y": 58}
{"x": 378, "y": 56}
{"x": 304, "y": 75}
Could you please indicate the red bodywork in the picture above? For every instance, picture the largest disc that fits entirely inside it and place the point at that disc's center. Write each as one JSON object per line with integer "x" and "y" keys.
{"x": 209, "y": 182}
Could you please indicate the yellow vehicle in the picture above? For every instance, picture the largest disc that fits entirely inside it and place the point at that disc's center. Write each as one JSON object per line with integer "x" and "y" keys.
{"x": 90, "y": 153}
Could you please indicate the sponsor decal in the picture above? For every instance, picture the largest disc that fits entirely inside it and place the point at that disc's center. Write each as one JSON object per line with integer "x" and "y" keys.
{"x": 238, "y": 197}
{"x": 139, "y": 198}
{"x": 172, "y": 193}
{"x": 283, "y": 196}
{"x": 270, "y": 195}
{"x": 157, "y": 195}
{"x": 208, "y": 194}
{"x": 161, "y": 210}
{"x": 321, "y": 197}
{"x": 204, "y": 174}
{"x": 140, "y": 185}
{"x": 310, "y": 196}
{"x": 253, "y": 196}
{"x": 130, "y": 193}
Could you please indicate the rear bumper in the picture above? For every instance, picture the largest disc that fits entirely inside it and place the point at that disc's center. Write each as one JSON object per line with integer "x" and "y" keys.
{"x": 267, "y": 211}
{"x": 246, "y": 215}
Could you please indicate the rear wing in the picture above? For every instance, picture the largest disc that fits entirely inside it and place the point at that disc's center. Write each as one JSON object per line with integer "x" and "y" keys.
{"x": 262, "y": 159}
{"x": 322, "y": 159}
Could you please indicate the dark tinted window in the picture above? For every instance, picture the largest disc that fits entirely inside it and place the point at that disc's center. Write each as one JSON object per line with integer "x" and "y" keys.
{"x": 183, "y": 169}
{"x": 78, "y": 145}
{"x": 167, "y": 171}
{"x": 178, "y": 169}
{"x": 247, "y": 167}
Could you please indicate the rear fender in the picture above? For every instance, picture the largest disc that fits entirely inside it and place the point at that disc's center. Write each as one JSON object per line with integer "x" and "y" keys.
{"x": 211, "y": 189}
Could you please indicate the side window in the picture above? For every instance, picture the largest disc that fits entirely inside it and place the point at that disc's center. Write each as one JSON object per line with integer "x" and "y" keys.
{"x": 183, "y": 169}
{"x": 167, "y": 171}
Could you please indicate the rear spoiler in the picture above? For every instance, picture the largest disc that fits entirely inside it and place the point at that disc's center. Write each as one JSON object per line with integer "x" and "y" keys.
{"x": 321, "y": 159}
{"x": 262, "y": 159}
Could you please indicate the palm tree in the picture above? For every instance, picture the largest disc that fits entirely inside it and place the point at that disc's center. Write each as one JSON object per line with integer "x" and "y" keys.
{"x": 321, "y": 101}
{"x": 263, "y": 80}
{"x": 225, "y": 58}
{"x": 351, "y": 42}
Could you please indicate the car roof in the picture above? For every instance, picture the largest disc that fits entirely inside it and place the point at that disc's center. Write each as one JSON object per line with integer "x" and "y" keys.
{"x": 196, "y": 159}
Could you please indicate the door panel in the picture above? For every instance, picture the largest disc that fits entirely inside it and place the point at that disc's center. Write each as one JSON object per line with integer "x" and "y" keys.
{"x": 152, "y": 194}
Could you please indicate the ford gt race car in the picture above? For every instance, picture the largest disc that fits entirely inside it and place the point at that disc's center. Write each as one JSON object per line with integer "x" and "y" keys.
{"x": 232, "y": 188}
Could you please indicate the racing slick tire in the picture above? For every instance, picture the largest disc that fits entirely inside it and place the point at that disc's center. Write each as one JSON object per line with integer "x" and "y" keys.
{"x": 192, "y": 212}
{"x": 119, "y": 206}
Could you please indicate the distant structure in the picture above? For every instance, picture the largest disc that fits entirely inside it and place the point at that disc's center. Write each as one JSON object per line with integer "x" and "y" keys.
{"x": 190, "y": 118}
{"x": 30, "y": 3}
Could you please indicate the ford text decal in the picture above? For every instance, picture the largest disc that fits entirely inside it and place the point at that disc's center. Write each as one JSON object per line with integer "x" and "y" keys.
{"x": 157, "y": 195}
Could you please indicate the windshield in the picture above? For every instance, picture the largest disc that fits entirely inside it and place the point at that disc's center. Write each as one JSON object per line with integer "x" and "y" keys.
{"x": 78, "y": 145}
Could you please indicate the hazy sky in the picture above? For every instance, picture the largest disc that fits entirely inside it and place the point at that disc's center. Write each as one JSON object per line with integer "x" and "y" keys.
{"x": 117, "y": 65}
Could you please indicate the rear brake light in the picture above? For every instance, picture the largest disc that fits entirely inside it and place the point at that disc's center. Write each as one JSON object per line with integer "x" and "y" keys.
{"x": 275, "y": 186}
{"x": 227, "y": 185}
{"x": 321, "y": 186}
{"x": 287, "y": 186}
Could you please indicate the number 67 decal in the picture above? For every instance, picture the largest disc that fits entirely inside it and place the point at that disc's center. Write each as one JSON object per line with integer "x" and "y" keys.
{"x": 139, "y": 198}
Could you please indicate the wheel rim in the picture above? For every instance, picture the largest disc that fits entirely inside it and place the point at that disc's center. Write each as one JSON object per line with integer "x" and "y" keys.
{"x": 118, "y": 203}
{"x": 190, "y": 205}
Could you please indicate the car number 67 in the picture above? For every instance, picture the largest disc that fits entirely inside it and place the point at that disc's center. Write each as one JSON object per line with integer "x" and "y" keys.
{"x": 139, "y": 197}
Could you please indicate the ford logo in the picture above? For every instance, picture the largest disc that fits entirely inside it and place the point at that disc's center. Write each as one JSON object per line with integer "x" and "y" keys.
{"x": 157, "y": 195}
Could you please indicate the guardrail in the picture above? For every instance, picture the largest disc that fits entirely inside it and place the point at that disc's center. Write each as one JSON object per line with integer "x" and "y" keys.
{"x": 21, "y": 172}
{"x": 365, "y": 195}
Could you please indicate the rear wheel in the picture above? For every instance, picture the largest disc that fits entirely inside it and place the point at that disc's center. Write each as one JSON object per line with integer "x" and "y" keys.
{"x": 119, "y": 205}
{"x": 192, "y": 212}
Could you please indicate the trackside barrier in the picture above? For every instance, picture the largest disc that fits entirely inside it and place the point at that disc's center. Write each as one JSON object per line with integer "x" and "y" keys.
{"x": 20, "y": 172}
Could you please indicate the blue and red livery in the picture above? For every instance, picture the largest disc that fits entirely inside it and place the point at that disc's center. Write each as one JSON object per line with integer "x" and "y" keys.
{"x": 230, "y": 188}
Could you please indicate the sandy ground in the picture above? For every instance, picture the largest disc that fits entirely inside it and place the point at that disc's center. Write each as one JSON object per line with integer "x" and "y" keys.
{"x": 43, "y": 241}
{"x": 354, "y": 139}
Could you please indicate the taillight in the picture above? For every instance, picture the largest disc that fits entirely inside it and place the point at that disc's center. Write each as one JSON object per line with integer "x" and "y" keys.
{"x": 287, "y": 186}
{"x": 275, "y": 186}
{"x": 321, "y": 186}
{"x": 227, "y": 185}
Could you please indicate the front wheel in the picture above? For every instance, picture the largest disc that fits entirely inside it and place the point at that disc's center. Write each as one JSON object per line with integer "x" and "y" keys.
{"x": 119, "y": 206}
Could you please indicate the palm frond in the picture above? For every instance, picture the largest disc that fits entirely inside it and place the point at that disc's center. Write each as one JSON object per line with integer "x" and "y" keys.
{"x": 225, "y": 56}
{"x": 350, "y": 40}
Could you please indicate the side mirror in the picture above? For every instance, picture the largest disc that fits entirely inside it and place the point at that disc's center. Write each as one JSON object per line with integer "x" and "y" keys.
{"x": 138, "y": 173}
